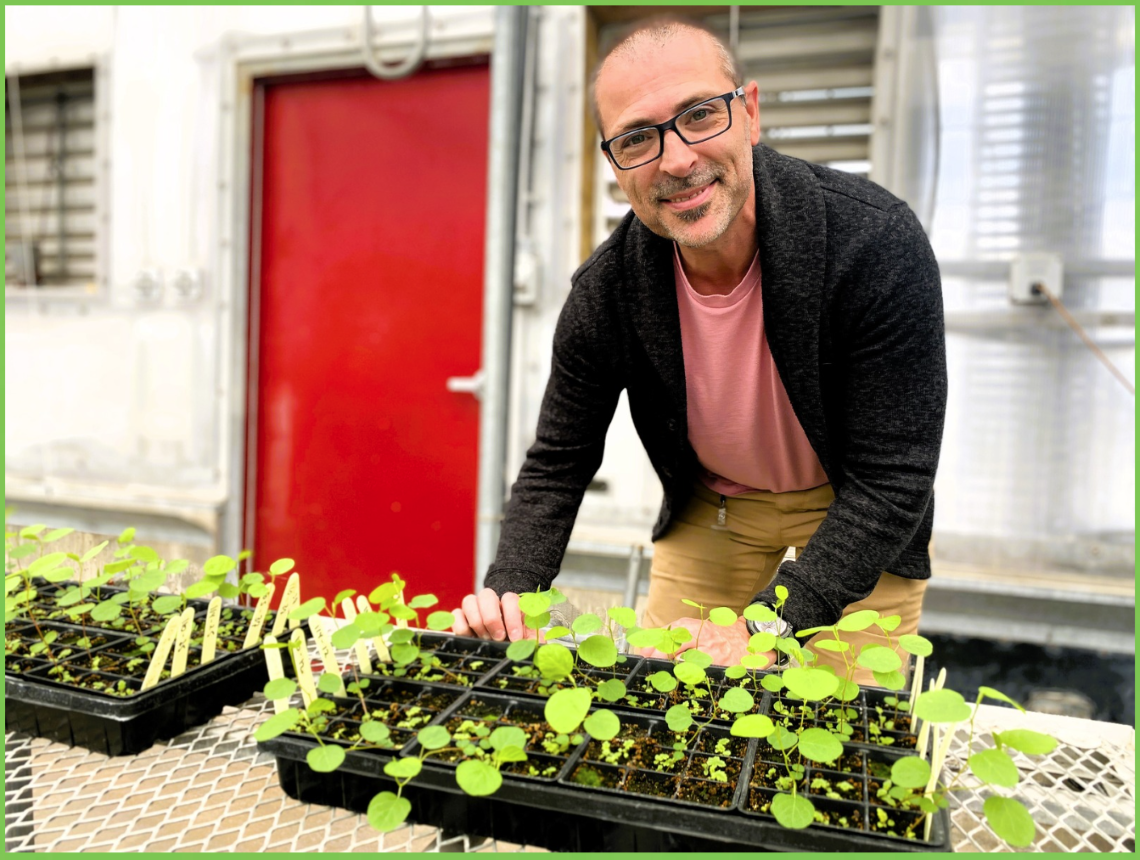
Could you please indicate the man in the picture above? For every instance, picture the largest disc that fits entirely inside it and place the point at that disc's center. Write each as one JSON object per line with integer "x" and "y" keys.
{"x": 778, "y": 327}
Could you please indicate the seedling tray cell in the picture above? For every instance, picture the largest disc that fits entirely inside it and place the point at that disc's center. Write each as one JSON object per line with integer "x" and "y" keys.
{"x": 520, "y": 677}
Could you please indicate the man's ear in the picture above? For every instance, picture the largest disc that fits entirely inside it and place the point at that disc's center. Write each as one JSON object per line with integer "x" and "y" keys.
{"x": 752, "y": 105}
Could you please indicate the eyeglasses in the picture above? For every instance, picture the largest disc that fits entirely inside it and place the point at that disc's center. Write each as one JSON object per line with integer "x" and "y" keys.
{"x": 697, "y": 124}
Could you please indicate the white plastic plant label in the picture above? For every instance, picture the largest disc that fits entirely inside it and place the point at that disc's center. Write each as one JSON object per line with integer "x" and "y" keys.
{"x": 360, "y": 647}
{"x": 210, "y": 636}
{"x": 328, "y": 653}
{"x": 260, "y": 613}
{"x": 182, "y": 643}
{"x": 299, "y": 651}
{"x": 276, "y": 670}
{"x": 290, "y": 600}
{"x": 162, "y": 651}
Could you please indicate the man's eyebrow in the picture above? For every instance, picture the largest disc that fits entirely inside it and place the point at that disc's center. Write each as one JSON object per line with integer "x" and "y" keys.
{"x": 677, "y": 108}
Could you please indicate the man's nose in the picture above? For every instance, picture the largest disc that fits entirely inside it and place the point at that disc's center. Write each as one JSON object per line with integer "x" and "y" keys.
{"x": 677, "y": 157}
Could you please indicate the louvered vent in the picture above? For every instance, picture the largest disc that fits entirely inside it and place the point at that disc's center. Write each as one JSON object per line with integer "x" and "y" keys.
{"x": 814, "y": 66}
{"x": 50, "y": 190}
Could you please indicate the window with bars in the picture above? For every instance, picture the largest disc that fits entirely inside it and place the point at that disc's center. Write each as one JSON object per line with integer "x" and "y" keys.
{"x": 815, "y": 69}
{"x": 50, "y": 199}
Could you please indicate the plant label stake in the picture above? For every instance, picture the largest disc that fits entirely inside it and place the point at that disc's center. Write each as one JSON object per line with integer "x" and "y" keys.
{"x": 276, "y": 670}
{"x": 328, "y": 653}
{"x": 253, "y": 635}
{"x": 210, "y": 637}
{"x": 161, "y": 652}
{"x": 300, "y": 653}
{"x": 400, "y": 622}
{"x": 182, "y": 643}
{"x": 290, "y": 600}
{"x": 360, "y": 647}
{"x": 382, "y": 655}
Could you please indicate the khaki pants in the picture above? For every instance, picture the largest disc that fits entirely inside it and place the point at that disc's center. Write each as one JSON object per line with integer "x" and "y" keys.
{"x": 728, "y": 566}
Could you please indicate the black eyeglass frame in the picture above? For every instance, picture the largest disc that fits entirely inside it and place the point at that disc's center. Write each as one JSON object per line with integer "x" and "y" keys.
{"x": 671, "y": 124}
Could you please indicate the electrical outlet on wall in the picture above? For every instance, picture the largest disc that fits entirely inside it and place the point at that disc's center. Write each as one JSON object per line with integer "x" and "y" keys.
{"x": 1029, "y": 272}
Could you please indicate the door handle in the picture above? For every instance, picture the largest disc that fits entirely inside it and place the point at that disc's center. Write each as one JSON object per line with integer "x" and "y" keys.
{"x": 467, "y": 384}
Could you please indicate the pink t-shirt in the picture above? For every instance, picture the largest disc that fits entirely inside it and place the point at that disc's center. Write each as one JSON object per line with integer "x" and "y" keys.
{"x": 741, "y": 423}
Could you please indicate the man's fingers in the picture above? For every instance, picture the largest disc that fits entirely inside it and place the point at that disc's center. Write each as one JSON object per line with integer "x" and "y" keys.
{"x": 491, "y": 610}
{"x": 460, "y": 627}
{"x": 473, "y": 616}
{"x": 512, "y": 617}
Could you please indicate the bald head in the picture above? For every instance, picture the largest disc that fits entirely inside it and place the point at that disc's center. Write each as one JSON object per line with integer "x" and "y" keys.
{"x": 655, "y": 34}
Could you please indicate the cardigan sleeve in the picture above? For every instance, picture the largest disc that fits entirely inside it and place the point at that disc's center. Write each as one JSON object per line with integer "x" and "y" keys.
{"x": 577, "y": 407}
{"x": 890, "y": 389}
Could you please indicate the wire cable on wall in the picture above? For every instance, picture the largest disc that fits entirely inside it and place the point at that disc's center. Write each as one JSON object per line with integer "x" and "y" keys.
{"x": 1083, "y": 335}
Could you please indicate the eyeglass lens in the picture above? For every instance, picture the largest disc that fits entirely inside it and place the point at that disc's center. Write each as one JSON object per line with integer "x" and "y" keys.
{"x": 698, "y": 123}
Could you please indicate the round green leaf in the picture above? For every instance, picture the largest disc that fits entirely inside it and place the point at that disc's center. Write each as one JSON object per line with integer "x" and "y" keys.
{"x": 755, "y": 661}
{"x": 586, "y": 624}
{"x": 598, "y": 651}
{"x": 911, "y": 772}
{"x": 148, "y": 581}
{"x": 282, "y": 565}
{"x": 94, "y": 551}
{"x": 401, "y": 636}
{"x": 521, "y": 649}
{"x": 403, "y": 612}
{"x": 308, "y": 608}
{"x": 919, "y": 646}
{"x": 166, "y": 604}
{"x": 404, "y": 654}
{"x": 696, "y": 657}
{"x": 782, "y": 739}
{"x": 325, "y": 759}
{"x": 1010, "y": 820}
{"x": 440, "y": 620}
{"x": 277, "y": 724}
{"x": 811, "y": 684}
{"x": 386, "y": 811}
{"x": 1027, "y": 741}
{"x": 557, "y": 632}
{"x": 508, "y": 754}
{"x": 566, "y": 709}
{"x": 722, "y": 616}
{"x": 534, "y": 604}
{"x": 374, "y": 732}
{"x": 280, "y": 688}
{"x": 200, "y": 588}
{"x": 602, "y": 725}
{"x": 689, "y": 673}
{"x": 736, "y": 701}
{"x": 759, "y": 612}
{"x": 258, "y": 590}
{"x": 890, "y": 680}
{"x": 554, "y": 661}
{"x": 612, "y": 690}
{"x": 329, "y": 682}
{"x": 346, "y": 636}
{"x": 772, "y": 683}
{"x": 679, "y": 636}
{"x": 649, "y": 637}
{"x": 507, "y": 736}
{"x": 879, "y": 659}
{"x": 679, "y": 718}
{"x": 662, "y": 682}
{"x": 752, "y": 726}
{"x": 994, "y": 767}
{"x": 404, "y": 768}
{"x": 478, "y": 778}
{"x": 856, "y": 621}
{"x": 942, "y": 706}
{"x": 837, "y": 645}
{"x": 847, "y": 690}
{"x": 820, "y": 745}
{"x": 623, "y": 615}
{"x": 793, "y": 811}
{"x": 536, "y": 622}
{"x": 735, "y": 673}
{"x": 217, "y": 566}
{"x": 228, "y": 590}
{"x": 144, "y": 554}
{"x": 108, "y": 610}
{"x": 889, "y": 623}
{"x": 423, "y": 601}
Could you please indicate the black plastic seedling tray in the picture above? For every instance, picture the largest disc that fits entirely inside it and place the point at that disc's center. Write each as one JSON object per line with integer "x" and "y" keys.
{"x": 556, "y": 813}
{"x": 36, "y": 704}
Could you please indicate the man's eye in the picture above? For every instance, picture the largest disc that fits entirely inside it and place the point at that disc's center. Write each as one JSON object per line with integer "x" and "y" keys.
{"x": 699, "y": 114}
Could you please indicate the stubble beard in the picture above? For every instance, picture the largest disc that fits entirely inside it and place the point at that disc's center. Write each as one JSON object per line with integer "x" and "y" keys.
{"x": 684, "y": 234}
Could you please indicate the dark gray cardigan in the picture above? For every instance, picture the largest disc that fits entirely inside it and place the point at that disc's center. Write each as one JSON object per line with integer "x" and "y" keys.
{"x": 853, "y": 314}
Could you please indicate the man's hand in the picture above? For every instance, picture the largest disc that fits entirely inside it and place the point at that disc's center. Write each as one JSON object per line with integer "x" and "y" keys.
{"x": 486, "y": 616}
{"x": 726, "y": 645}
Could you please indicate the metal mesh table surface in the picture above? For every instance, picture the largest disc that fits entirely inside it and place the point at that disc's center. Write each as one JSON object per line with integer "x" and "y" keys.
{"x": 210, "y": 789}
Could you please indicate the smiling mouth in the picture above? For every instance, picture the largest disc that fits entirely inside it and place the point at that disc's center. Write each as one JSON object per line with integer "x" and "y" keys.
{"x": 689, "y": 199}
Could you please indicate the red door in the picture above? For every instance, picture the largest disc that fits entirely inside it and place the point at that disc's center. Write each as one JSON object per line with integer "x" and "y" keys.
{"x": 369, "y": 298}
